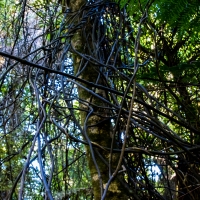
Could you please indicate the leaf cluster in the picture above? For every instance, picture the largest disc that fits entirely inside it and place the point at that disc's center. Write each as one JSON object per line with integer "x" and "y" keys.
{"x": 181, "y": 15}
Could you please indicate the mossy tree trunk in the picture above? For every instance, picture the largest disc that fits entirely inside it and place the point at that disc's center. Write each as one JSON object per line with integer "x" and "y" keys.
{"x": 95, "y": 117}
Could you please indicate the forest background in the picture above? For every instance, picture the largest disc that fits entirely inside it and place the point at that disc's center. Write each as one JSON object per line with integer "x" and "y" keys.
{"x": 100, "y": 99}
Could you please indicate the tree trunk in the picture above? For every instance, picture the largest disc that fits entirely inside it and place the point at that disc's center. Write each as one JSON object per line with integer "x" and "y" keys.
{"x": 95, "y": 117}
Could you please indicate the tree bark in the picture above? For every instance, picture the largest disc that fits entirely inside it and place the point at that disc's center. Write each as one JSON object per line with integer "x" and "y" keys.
{"x": 94, "y": 119}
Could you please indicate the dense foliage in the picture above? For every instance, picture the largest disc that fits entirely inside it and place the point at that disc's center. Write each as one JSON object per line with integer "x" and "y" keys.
{"x": 99, "y": 87}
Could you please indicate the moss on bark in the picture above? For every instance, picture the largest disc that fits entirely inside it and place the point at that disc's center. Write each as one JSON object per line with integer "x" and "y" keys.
{"x": 98, "y": 127}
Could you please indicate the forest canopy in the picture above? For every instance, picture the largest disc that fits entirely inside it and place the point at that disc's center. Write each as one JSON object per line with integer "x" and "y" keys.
{"x": 100, "y": 99}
